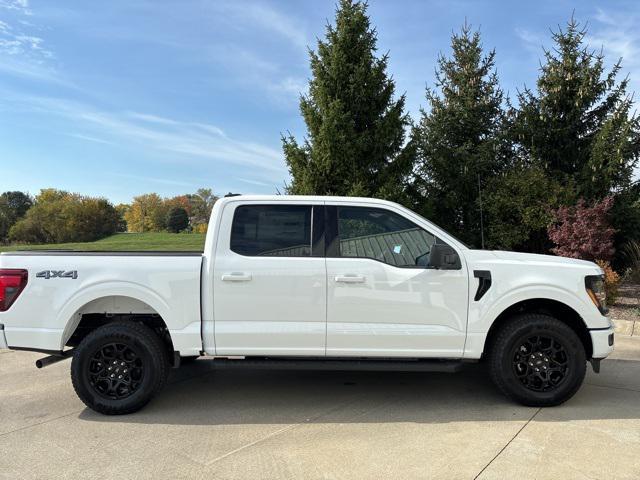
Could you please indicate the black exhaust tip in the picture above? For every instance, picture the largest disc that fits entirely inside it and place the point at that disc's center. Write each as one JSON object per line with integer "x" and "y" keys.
{"x": 51, "y": 359}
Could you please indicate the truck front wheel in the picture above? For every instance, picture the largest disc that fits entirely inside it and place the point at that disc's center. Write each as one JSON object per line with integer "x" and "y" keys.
{"x": 117, "y": 368}
{"x": 537, "y": 360}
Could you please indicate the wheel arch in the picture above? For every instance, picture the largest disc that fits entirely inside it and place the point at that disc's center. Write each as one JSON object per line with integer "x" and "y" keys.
{"x": 551, "y": 307}
{"x": 115, "y": 300}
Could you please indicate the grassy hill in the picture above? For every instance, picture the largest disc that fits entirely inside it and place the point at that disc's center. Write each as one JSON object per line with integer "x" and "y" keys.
{"x": 127, "y": 241}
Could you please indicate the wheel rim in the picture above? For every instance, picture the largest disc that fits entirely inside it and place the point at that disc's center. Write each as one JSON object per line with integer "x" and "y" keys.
{"x": 541, "y": 363}
{"x": 115, "y": 371}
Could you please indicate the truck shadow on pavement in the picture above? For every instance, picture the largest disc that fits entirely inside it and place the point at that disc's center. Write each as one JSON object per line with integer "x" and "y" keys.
{"x": 200, "y": 394}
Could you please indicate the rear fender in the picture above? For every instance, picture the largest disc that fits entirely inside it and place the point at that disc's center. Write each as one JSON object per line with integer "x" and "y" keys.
{"x": 71, "y": 314}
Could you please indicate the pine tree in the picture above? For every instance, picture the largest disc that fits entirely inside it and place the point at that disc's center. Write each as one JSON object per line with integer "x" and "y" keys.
{"x": 577, "y": 126}
{"x": 460, "y": 140}
{"x": 356, "y": 129}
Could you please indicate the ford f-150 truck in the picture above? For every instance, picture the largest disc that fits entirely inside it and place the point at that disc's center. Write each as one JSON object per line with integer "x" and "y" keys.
{"x": 308, "y": 282}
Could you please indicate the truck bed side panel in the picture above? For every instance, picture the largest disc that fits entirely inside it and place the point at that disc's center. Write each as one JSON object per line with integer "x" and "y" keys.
{"x": 47, "y": 311}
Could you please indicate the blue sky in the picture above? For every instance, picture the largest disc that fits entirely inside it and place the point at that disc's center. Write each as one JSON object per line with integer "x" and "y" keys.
{"x": 125, "y": 97}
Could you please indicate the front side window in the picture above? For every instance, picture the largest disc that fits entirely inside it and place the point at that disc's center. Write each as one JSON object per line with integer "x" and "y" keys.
{"x": 382, "y": 235}
{"x": 272, "y": 230}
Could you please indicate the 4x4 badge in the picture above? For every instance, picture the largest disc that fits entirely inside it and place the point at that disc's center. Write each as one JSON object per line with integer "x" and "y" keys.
{"x": 47, "y": 274}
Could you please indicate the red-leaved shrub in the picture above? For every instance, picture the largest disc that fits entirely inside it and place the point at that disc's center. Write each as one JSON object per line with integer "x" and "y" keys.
{"x": 583, "y": 231}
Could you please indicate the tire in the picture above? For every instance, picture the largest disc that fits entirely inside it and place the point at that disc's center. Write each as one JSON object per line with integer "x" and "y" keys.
{"x": 536, "y": 341}
{"x": 122, "y": 350}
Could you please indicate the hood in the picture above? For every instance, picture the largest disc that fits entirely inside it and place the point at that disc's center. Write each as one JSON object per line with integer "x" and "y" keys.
{"x": 525, "y": 258}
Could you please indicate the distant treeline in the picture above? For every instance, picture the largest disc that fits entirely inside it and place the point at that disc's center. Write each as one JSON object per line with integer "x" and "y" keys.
{"x": 56, "y": 216}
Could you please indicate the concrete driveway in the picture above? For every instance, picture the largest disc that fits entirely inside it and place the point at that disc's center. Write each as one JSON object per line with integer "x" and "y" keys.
{"x": 306, "y": 425}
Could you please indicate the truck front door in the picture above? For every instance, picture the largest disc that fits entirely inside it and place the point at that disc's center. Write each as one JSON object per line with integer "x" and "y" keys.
{"x": 383, "y": 300}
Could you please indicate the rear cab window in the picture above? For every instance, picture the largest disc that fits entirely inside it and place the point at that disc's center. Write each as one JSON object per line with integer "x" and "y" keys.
{"x": 272, "y": 230}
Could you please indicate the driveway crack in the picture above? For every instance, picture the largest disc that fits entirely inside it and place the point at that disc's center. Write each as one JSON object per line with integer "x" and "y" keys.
{"x": 285, "y": 429}
{"x": 508, "y": 443}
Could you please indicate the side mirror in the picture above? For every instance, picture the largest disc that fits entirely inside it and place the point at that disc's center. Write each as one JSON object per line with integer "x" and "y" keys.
{"x": 444, "y": 257}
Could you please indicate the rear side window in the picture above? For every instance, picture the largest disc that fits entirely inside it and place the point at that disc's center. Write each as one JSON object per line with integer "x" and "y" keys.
{"x": 382, "y": 235}
{"x": 272, "y": 230}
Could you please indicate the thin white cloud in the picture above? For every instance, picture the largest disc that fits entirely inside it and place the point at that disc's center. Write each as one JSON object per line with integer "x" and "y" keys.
{"x": 20, "y": 6}
{"x": 212, "y": 129}
{"x": 264, "y": 17}
{"x": 532, "y": 41}
{"x": 147, "y": 117}
{"x": 291, "y": 85}
{"x": 619, "y": 37}
{"x": 189, "y": 140}
{"x": 254, "y": 182}
{"x": 162, "y": 181}
{"x": 89, "y": 138}
{"x": 23, "y": 52}
{"x": 151, "y": 118}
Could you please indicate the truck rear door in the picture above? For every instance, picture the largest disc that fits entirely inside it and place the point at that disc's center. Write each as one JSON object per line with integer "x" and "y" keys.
{"x": 269, "y": 279}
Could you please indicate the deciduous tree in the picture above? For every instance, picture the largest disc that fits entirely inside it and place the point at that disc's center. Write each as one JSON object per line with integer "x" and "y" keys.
{"x": 584, "y": 231}
{"x": 147, "y": 214}
{"x": 58, "y": 216}
{"x": 13, "y": 206}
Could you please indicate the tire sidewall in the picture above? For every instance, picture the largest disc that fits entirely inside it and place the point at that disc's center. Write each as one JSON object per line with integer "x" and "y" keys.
{"x": 79, "y": 369}
{"x": 576, "y": 363}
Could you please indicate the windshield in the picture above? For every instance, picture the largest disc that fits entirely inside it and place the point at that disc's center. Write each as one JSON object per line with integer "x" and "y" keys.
{"x": 452, "y": 236}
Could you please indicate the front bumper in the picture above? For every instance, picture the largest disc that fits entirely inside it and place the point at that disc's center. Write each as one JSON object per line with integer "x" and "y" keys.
{"x": 602, "y": 340}
{"x": 3, "y": 339}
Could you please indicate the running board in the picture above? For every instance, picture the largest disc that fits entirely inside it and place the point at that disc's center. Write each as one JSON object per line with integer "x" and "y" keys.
{"x": 445, "y": 366}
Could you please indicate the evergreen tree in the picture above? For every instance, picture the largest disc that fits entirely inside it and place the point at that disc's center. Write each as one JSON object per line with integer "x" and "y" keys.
{"x": 460, "y": 139}
{"x": 577, "y": 126}
{"x": 356, "y": 129}
{"x": 519, "y": 206}
{"x": 177, "y": 219}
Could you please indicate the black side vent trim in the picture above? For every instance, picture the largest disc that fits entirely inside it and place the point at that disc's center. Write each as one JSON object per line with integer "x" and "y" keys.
{"x": 485, "y": 283}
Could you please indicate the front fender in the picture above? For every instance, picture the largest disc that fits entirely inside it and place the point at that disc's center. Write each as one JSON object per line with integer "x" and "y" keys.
{"x": 483, "y": 313}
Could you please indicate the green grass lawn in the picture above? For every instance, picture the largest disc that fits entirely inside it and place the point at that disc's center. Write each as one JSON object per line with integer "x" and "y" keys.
{"x": 127, "y": 241}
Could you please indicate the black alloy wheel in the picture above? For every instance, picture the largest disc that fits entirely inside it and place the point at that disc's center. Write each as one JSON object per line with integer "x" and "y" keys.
{"x": 537, "y": 360}
{"x": 115, "y": 371}
{"x": 119, "y": 367}
{"x": 541, "y": 363}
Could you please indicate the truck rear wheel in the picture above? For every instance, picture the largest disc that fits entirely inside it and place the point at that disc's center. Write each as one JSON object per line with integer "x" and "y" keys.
{"x": 537, "y": 360}
{"x": 117, "y": 368}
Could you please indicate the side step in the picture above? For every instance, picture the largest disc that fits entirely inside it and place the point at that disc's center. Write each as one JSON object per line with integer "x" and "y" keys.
{"x": 445, "y": 366}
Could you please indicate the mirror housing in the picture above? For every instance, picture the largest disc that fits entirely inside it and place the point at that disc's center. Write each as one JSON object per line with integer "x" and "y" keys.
{"x": 444, "y": 257}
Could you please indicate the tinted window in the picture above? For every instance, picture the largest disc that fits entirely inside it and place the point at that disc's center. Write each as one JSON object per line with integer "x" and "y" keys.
{"x": 381, "y": 235}
{"x": 275, "y": 230}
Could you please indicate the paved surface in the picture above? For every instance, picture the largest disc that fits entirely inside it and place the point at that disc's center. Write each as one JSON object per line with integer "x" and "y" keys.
{"x": 306, "y": 425}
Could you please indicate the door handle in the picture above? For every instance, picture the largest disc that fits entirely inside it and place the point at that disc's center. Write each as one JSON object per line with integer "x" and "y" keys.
{"x": 236, "y": 277}
{"x": 350, "y": 278}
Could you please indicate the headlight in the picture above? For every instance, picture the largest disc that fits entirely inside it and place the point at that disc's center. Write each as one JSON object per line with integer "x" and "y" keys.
{"x": 595, "y": 289}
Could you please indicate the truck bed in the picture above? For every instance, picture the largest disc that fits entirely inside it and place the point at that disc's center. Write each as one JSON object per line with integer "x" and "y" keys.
{"x": 63, "y": 286}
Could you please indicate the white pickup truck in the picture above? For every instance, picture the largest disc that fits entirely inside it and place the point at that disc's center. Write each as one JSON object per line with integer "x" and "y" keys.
{"x": 307, "y": 282}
